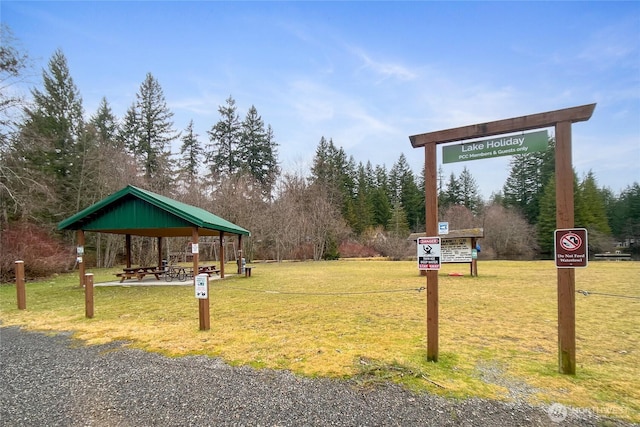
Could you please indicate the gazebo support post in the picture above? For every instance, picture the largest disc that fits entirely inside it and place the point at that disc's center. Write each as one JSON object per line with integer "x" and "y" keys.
{"x": 127, "y": 244}
{"x": 159, "y": 253}
{"x": 81, "y": 257}
{"x": 241, "y": 252}
{"x": 222, "y": 255}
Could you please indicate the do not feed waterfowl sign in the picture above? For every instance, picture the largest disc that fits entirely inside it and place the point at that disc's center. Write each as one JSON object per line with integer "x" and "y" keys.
{"x": 571, "y": 248}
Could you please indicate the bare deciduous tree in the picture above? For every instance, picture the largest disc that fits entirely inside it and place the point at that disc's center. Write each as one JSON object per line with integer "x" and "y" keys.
{"x": 508, "y": 233}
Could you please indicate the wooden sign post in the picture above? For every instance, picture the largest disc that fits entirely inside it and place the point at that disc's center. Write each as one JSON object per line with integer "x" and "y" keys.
{"x": 561, "y": 120}
{"x": 80, "y": 258}
{"x": 204, "y": 318}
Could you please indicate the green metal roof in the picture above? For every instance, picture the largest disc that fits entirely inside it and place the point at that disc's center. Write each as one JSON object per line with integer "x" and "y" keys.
{"x": 140, "y": 212}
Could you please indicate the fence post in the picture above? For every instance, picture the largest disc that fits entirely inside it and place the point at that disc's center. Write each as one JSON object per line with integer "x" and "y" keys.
{"x": 20, "y": 289}
{"x": 88, "y": 295}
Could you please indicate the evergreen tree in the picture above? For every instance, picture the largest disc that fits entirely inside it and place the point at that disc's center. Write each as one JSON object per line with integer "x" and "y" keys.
{"x": 155, "y": 134}
{"x": 398, "y": 225}
{"x": 380, "y": 197}
{"x": 527, "y": 179}
{"x": 191, "y": 156}
{"x": 106, "y": 125}
{"x": 129, "y": 137}
{"x": 13, "y": 63}
{"x": 453, "y": 193}
{"x": 624, "y": 216}
{"x": 405, "y": 190}
{"x": 16, "y": 185}
{"x": 105, "y": 155}
{"x": 443, "y": 200}
{"x": 224, "y": 157}
{"x": 469, "y": 191}
{"x": 258, "y": 151}
{"x": 546, "y": 224}
{"x": 364, "y": 203}
{"x": 51, "y": 136}
{"x": 593, "y": 215}
{"x": 336, "y": 174}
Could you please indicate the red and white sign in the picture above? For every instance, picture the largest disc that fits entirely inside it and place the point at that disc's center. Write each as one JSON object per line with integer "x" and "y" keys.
{"x": 571, "y": 248}
{"x": 429, "y": 253}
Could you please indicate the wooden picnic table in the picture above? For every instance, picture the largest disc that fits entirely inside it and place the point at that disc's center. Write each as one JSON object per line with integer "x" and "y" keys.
{"x": 139, "y": 273}
{"x": 208, "y": 270}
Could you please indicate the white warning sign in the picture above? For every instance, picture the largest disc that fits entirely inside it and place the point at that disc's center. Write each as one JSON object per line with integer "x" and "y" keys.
{"x": 429, "y": 253}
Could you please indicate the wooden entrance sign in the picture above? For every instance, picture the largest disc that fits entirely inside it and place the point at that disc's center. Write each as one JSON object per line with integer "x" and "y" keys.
{"x": 561, "y": 120}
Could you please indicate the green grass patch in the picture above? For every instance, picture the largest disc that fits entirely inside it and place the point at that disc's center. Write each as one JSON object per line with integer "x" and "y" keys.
{"x": 367, "y": 320}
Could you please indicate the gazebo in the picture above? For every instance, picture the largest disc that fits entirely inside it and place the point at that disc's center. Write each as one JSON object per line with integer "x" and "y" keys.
{"x": 134, "y": 211}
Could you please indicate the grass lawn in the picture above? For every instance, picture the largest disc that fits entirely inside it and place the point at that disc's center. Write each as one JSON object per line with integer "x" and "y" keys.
{"x": 366, "y": 319}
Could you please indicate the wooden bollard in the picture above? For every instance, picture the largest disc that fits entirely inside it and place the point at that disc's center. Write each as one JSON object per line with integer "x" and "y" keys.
{"x": 20, "y": 289}
{"x": 88, "y": 295}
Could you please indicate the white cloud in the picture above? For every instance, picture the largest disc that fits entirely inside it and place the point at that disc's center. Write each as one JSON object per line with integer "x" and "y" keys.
{"x": 385, "y": 70}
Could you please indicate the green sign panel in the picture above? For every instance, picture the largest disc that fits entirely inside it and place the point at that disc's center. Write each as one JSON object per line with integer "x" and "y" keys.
{"x": 496, "y": 147}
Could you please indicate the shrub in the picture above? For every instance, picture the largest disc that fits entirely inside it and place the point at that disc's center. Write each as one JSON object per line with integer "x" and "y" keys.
{"x": 42, "y": 253}
{"x": 351, "y": 249}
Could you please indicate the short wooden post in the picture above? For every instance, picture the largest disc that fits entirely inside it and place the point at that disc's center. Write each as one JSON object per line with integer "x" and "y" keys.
{"x": 88, "y": 295}
{"x": 203, "y": 311}
{"x": 20, "y": 289}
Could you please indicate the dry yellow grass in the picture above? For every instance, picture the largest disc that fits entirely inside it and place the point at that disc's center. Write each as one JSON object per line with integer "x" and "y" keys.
{"x": 364, "y": 319}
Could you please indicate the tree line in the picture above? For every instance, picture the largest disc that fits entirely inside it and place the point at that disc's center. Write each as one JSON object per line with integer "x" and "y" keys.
{"x": 56, "y": 160}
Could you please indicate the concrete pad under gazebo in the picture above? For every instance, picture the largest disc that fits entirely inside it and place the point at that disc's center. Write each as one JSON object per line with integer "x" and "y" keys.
{"x": 134, "y": 211}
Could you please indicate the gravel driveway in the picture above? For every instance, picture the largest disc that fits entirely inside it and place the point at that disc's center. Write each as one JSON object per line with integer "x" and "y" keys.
{"x": 56, "y": 381}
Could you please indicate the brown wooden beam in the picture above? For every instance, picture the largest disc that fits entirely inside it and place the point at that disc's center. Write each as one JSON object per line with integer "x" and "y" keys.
{"x": 431, "y": 221}
{"x": 516, "y": 124}
{"x": 565, "y": 276}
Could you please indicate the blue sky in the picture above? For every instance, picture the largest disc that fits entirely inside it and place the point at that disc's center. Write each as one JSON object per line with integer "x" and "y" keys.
{"x": 365, "y": 74}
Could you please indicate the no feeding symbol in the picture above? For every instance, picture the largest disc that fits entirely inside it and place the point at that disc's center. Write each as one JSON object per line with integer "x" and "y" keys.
{"x": 571, "y": 242}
